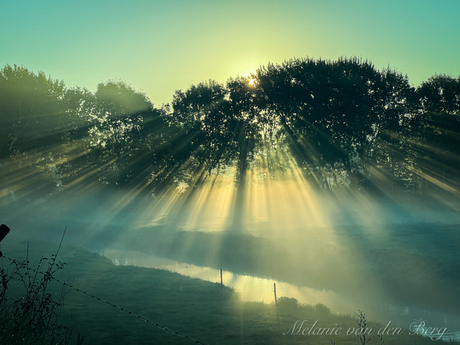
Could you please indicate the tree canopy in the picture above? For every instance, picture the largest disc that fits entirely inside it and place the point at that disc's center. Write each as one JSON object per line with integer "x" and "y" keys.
{"x": 342, "y": 121}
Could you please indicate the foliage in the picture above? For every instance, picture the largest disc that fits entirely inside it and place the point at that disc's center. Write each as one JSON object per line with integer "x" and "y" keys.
{"x": 31, "y": 317}
{"x": 29, "y": 104}
{"x": 345, "y": 123}
{"x": 219, "y": 120}
{"x": 434, "y": 133}
{"x": 334, "y": 112}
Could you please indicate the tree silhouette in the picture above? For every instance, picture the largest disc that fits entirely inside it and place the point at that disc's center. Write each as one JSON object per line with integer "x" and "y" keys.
{"x": 222, "y": 126}
{"x": 336, "y": 118}
{"x": 435, "y": 131}
{"x": 333, "y": 112}
{"x": 117, "y": 117}
{"x": 203, "y": 114}
{"x": 35, "y": 120}
{"x": 33, "y": 110}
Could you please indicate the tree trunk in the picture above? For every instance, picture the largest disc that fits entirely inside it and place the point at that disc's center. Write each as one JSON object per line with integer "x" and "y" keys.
{"x": 238, "y": 212}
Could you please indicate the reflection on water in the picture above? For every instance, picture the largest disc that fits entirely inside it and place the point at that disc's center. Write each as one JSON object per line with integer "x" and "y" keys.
{"x": 256, "y": 289}
{"x": 250, "y": 288}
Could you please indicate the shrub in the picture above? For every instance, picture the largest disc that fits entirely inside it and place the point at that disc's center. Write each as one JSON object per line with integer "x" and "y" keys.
{"x": 288, "y": 303}
{"x": 29, "y": 314}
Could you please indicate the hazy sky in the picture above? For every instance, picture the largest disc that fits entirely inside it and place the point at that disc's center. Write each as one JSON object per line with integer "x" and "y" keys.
{"x": 162, "y": 46}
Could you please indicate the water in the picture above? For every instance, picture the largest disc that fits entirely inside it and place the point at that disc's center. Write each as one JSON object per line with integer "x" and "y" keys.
{"x": 257, "y": 289}
{"x": 250, "y": 288}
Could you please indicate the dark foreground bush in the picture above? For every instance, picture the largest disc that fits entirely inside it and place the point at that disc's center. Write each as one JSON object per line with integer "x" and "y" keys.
{"x": 29, "y": 314}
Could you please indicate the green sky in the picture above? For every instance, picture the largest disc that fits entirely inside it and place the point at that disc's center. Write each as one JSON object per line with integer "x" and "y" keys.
{"x": 162, "y": 46}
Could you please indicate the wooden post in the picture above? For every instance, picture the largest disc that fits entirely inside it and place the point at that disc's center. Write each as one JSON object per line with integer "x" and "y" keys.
{"x": 221, "y": 280}
{"x": 276, "y": 300}
{"x": 4, "y": 230}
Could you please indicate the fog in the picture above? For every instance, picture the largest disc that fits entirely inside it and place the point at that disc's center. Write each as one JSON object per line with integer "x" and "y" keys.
{"x": 370, "y": 254}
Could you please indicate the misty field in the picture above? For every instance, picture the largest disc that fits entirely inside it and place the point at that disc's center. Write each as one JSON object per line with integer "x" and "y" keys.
{"x": 195, "y": 308}
{"x": 413, "y": 264}
{"x": 328, "y": 187}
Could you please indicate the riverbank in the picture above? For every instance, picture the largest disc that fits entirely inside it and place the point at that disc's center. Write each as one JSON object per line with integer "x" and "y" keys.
{"x": 202, "y": 310}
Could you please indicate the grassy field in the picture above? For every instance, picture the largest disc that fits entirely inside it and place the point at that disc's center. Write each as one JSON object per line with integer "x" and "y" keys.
{"x": 408, "y": 262}
{"x": 199, "y": 309}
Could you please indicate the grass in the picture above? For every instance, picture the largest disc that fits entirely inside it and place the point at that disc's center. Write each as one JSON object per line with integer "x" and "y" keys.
{"x": 29, "y": 314}
{"x": 193, "y": 307}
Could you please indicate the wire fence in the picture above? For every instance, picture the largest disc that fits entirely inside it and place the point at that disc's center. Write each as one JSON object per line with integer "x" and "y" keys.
{"x": 267, "y": 288}
{"x": 155, "y": 323}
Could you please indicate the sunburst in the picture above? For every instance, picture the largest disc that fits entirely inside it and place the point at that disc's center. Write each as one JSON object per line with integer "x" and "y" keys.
{"x": 252, "y": 82}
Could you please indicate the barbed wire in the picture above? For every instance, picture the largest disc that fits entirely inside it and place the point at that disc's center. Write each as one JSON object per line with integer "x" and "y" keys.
{"x": 162, "y": 327}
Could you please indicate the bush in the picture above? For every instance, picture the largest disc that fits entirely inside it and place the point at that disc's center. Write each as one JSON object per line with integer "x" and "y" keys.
{"x": 31, "y": 316}
{"x": 288, "y": 303}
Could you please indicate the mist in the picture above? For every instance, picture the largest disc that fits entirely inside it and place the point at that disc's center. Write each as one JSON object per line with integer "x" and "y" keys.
{"x": 369, "y": 252}
{"x": 324, "y": 185}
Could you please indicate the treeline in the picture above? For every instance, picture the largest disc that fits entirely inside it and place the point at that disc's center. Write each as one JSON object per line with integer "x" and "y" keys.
{"x": 343, "y": 124}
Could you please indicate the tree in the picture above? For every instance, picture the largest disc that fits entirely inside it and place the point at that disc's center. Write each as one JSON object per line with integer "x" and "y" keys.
{"x": 116, "y": 116}
{"x": 203, "y": 114}
{"x": 222, "y": 127}
{"x": 435, "y": 131}
{"x": 34, "y": 122}
{"x": 32, "y": 110}
{"x": 333, "y": 112}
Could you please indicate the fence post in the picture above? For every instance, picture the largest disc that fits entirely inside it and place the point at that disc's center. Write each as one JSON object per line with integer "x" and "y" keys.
{"x": 4, "y": 230}
{"x": 221, "y": 280}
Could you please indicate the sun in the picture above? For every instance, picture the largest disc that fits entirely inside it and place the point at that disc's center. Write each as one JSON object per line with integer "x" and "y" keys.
{"x": 252, "y": 81}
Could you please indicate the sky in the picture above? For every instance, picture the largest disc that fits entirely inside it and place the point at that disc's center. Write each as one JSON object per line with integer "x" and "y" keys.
{"x": 159, "y": 47}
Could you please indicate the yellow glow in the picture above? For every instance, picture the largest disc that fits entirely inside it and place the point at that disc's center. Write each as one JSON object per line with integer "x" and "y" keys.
{"x": 279, "y": 204}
